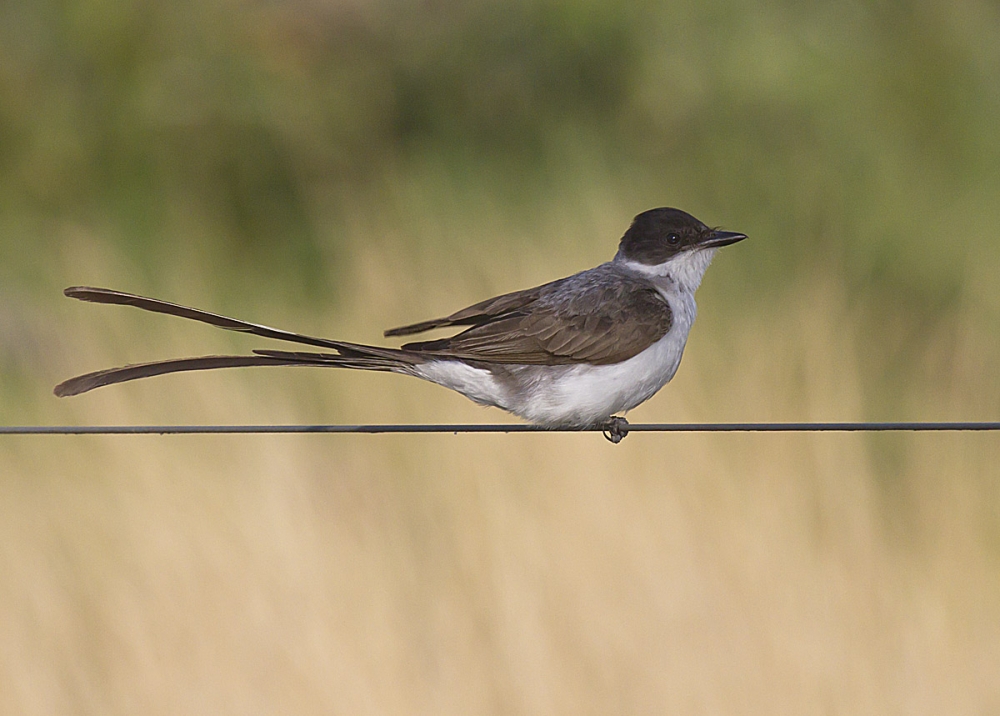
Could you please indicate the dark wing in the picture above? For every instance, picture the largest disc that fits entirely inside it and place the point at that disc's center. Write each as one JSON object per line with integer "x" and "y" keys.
{"x": 479, "y": 313}
{"x": 599, "y": 317}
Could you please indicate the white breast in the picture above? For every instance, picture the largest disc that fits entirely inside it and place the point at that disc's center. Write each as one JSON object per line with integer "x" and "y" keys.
{"x": 584, "y": 395}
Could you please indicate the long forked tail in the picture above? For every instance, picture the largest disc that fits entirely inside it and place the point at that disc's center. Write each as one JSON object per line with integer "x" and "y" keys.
{"x": 348, "y": 355}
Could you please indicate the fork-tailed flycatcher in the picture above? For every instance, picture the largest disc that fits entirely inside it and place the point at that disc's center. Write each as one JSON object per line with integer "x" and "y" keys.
{"x": 570, "y": 353}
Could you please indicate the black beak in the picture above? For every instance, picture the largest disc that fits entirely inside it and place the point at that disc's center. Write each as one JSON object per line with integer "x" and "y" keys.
{"x": 721, "y": 238}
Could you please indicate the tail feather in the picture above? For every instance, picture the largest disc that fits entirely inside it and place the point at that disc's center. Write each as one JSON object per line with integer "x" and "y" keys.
{"x": 356, "y": 360}
{"x": 110, "y": 376}
{"x": 106, "y": 295}
{"x": 348, "y": 355}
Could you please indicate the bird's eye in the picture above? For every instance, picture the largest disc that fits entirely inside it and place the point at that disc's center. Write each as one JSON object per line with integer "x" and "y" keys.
{"x": 673, "y": 239}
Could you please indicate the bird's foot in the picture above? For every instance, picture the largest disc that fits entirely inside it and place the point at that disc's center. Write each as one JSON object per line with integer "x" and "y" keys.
{"x": 615, "y": 428}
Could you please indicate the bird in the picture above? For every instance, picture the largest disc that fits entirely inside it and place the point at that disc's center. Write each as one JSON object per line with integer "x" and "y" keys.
{"x": 572, "y": 353}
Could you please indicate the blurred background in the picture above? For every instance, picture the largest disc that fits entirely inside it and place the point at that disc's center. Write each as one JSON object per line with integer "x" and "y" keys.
{"x": 338, "y": 167}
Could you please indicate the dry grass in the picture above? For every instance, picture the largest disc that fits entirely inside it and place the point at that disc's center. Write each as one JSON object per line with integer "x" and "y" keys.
{"x": 793, "y": 574}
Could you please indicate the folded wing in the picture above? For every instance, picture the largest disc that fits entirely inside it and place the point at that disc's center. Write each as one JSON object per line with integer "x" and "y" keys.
{"x": 587, "y": 318}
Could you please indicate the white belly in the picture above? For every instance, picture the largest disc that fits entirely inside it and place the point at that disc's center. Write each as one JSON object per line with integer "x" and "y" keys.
{"x": 586, "y": 394}
{"x": 571, "y": 395}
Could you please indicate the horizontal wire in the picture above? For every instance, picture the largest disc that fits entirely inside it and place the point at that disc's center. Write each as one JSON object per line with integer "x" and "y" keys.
{"x": 499, "y": 428}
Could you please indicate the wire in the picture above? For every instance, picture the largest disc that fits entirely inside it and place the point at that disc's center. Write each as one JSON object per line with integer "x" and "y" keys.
{"x": 498, "y": 428}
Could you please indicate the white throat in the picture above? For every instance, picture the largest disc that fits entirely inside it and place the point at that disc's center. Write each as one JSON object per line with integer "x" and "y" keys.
{"x": 684, "y": 271}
